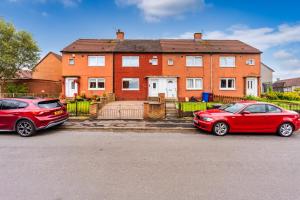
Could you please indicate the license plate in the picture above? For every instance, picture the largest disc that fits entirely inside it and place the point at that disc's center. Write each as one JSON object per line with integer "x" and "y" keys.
{"x": 58, "y": 112}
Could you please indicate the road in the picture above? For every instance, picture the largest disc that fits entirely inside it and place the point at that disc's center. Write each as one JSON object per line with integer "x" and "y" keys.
{"x": 59, "y": 165}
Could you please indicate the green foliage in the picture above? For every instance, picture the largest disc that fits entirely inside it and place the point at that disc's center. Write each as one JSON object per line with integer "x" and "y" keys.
{"x": 18, "y": 50}
{"x": 16, "y": 88}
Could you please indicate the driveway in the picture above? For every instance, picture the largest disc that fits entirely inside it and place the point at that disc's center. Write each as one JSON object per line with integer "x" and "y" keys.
{"x": 122, "y": 110}
{"x": 58, "y": 165}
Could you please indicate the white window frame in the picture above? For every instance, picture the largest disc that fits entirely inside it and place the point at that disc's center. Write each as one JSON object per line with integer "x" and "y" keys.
{"x": 70, "y": 61}
{"x": 250, "y": 61}
{"x": 234, "y": 84}
{"x": 129, "y": 79}
{"x": 194, "y": 84}
{"x": 97, "y": 81}
{"x": 194, "y": 61}
{"x": 227, "y": 64}
{"x": 170, "y": 62}
{"x": 130, "y": 64}
{"x": 99, "y": 64}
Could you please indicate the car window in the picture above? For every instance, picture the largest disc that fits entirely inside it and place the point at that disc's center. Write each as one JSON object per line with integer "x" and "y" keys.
{"x": 273, "y": 109}
{"x": 12, "y": 104}
{"x": 233, "y": 108}
{"x": 257, "y": 108}
{"x": 50, "y": 104}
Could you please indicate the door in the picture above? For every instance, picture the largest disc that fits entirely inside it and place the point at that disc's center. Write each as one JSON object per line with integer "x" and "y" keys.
{"x": 171, "y": 89}
{"x": 71, "y": 87}
{"x": 9, "y": 113}
{"x": 251, "y": 87}
{"x": 153, "y": 87}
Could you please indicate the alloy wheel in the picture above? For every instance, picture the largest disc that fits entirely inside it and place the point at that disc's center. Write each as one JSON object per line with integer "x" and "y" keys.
{"x": 286, "y": 130}
{"x": 25, "y": 128}
{"x": 220, "y": 129}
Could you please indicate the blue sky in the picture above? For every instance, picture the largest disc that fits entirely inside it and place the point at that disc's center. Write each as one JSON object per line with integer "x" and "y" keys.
{"x": 271, "y": 26}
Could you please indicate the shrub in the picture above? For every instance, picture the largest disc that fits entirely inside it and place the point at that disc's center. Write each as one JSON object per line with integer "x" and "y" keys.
{"x": 16, "y": 88}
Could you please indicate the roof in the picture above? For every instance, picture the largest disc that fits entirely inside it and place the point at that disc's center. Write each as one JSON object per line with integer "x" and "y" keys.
{"x": 91, "y": 45}
{"x": 23, "y": 74}
{"x": 160, "y": 46}
{"x": 267, "y": 67}
{"x": 287, "y": 82}
{"x": 138, "y": 46}
{"x": 206, "y": 46}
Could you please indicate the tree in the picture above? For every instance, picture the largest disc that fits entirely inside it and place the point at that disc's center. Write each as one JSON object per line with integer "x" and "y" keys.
{"x": 18, "y": 50}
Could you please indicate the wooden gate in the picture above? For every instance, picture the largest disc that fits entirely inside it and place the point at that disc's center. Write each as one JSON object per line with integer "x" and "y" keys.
{"x": 122, "y": 111}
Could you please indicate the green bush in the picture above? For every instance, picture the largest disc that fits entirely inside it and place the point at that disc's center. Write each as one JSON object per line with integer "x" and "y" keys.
{"x": 16, "y": 88}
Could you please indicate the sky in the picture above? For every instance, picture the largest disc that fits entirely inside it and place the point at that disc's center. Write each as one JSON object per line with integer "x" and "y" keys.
{"x": 271, "y": 26}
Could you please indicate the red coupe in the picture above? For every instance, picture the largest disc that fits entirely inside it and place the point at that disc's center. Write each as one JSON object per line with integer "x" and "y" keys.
{"x": 26, "y": 116}
{"x": 248, "y": 116}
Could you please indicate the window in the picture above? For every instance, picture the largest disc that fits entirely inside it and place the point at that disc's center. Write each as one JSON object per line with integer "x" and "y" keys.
{"x": 194, "y": 84}
{"x": 71, "y": 61}
{"x": 130, "y": 84}
{"x": 12, "y": 104}
{"x": 227, "y": 61}
{"x": 50, "y": 104}
{"x": 130, "y": 61}
{"x": 170, "y": 62}
{"x": 194, "y": 61}
{"x": 250, "y": 62}
{"x": 273, "y": 109}
{"x": 96, "y": 61}
{"x": 227, "y": 84}
{"x": 154, "y": 61}
{"x": 257, "y": 108}
{"x": 96, "y": 83}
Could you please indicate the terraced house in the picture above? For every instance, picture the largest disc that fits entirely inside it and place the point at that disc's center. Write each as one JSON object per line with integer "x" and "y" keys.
{"x": 180, "y": 68}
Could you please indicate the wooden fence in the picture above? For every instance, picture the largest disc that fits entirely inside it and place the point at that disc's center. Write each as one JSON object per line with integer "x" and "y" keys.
{"x": 227, "y": 99}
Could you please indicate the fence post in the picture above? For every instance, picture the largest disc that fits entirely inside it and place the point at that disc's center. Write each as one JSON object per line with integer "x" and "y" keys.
{"x": 76, "y": 110}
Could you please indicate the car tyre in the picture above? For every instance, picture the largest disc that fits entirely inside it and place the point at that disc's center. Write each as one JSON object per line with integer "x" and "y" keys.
{"x": 285, "y": 130}
{"x": 25, "y": 128}
{"x": 220, "y": 129}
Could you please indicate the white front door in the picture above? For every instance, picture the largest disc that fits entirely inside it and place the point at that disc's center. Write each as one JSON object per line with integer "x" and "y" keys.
{"x": 153, "y": 87}
{"x": 71, "y": 87}
{"x": 171, "y": 88}
{"x": 251, "y": 86}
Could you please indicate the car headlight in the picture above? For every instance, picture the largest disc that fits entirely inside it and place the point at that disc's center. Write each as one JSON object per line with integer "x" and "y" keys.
{"x": 207, "y": 119}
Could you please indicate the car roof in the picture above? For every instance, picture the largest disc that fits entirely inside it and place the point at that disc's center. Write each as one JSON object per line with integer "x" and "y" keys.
{"x": 29, "y": 100}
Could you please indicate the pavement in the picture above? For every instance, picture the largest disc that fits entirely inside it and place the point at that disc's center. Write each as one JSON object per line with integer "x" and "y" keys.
{"x": 91, "y": 165}
{"x": 185, "y": 124}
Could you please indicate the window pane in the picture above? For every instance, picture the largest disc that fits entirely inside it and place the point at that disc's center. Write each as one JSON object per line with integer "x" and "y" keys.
{"x": 190, "y": 83}
{"x": 130, "y": 61}
{"x": 230, "y": 83}
{"x": 125, "y": 84}
{"x": 256, "y": 108}
{"x": 134, "y": 84}
{"x": 71, "y": 61}
{"x": 198, "y": 83}
{"x": 273, "y": 109}
{"x": 92, "y": 83}
{"x": 96, "y": 60}
{"x": 193, "y": 61}
{"x": 101, "y": 84}
{"x": 223, "y": 83}
{"x": 227, "y": 61}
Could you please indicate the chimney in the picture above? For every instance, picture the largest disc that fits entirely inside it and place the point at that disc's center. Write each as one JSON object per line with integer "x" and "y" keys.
{"x": 197, "y": 36}
{"x": 120, "y": 35}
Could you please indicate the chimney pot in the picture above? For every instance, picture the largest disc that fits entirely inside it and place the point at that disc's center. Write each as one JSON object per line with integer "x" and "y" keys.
{"x": 120, "y": 35}
{"x": 197, "y": 36}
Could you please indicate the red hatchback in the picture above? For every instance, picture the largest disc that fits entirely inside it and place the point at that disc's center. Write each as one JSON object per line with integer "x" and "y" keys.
{"x": 26, "y": 116}
{"x": 248, "y": 116}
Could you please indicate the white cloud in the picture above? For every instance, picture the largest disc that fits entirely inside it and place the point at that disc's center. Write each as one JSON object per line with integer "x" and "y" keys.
{"x": 282, "y": 54}
{"x": 154, "y": 10}
{"x": 262, "y": 38}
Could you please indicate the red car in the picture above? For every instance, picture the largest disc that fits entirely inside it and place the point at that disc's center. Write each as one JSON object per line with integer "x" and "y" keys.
{"x": 248, "y": 116}
{"x": 26, "y": 116}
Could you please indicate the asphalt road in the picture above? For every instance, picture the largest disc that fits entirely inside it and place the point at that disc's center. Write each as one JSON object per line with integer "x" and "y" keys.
{"x": 59, "y": 165}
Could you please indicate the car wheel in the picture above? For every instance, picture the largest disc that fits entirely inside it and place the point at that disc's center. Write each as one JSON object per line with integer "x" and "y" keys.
{"x": 220, "y": 129}
{"x": 286, "y": 130}
{"x": 25, "y": 128}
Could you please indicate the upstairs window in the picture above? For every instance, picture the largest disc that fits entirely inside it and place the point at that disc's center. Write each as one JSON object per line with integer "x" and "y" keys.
{"x": 170, "y": 62}
{"x": 130, "y": 61}
{"x": 96, "y": 61}
{"x": 250, "y": 62}
{"x": 227, "y": 61}
{"x": 194, "y": 61}
{"x": 71, "y": 61}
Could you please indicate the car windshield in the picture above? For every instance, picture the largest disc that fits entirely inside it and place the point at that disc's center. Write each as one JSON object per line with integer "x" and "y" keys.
{"x": 49, "y": 104}
{"x": 232, "y": 108}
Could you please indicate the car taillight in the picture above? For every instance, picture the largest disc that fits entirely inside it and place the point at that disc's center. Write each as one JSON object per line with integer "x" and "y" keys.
{"x": 41, "y": 113}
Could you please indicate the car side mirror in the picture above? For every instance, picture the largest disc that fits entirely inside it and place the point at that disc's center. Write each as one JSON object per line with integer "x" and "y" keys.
{"x": 245, "y": 113}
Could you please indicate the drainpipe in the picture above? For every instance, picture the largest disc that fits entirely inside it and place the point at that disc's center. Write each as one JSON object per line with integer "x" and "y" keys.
{"x": 211, "y": 74}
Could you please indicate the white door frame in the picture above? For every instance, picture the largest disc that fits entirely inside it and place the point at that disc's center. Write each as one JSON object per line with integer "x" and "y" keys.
{"x": 252, "y": 86}
{"x": 153, "y": 89}
{"x": 70, "y": 92}
{"x": 171, "y": 93}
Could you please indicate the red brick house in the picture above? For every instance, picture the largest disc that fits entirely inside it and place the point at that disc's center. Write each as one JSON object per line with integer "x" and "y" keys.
{"x": 134, "y": 61}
